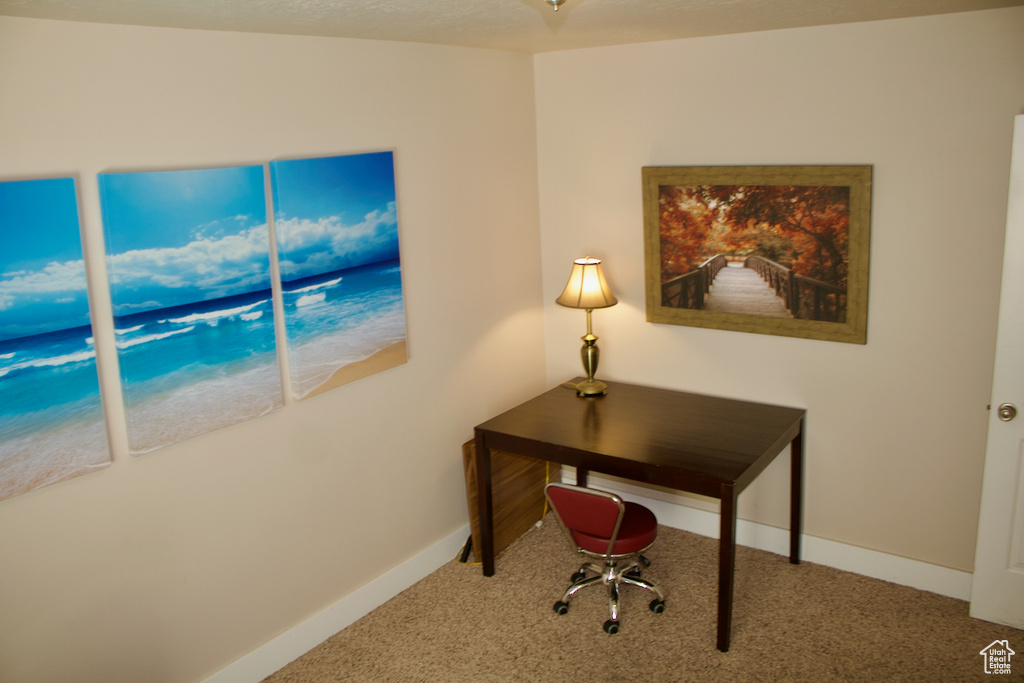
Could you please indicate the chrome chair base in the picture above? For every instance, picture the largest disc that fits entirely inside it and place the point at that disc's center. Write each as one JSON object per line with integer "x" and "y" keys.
{"x": 613, "y": 574}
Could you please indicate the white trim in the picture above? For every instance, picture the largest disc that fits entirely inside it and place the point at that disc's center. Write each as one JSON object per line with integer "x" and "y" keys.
{"x": 300, "y": 639}
{"x": 952, "y": 583}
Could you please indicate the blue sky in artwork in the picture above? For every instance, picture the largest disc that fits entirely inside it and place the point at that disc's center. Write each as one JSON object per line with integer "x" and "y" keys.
{"x": 42, "y": 274}
{"x": 179, "y": 237}
{"x": 333, "y": 213}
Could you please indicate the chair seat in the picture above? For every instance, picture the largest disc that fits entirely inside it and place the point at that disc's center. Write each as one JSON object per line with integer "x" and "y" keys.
{"x": 638, "y": 530}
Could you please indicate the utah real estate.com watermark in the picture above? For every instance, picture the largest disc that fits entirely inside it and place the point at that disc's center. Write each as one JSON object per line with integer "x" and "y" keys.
{"x": 997, "y": 657}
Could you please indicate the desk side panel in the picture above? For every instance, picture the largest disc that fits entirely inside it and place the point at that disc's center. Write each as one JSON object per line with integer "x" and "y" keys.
{"x": 517, "y": 495}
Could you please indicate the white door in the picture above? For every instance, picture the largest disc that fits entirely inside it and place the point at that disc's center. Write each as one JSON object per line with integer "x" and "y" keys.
{"x": 997, "y": 592}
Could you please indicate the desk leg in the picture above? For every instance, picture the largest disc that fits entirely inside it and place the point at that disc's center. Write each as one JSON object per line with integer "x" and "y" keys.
{"x": 796, "y": 493}
{"x": 581, "y": 476}
{"x": 485, "y": 505}
{"x": 726, "y": 566}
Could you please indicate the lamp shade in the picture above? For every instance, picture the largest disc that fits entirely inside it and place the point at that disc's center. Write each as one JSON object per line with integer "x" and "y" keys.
{"x": 586, "y": 287}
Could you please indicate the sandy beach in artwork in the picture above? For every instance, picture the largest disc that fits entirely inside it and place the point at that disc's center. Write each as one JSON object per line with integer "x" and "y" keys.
{"x": 203, "y": 407}
{"x": 388, "y": 357}
{"x": 36, "y": 460}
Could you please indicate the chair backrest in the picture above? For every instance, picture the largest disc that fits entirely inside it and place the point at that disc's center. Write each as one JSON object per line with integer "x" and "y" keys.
{"x": 588, "y": 511}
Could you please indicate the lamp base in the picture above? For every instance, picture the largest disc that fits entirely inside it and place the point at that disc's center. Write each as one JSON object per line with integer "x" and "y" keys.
{"x": 591, "y": 387}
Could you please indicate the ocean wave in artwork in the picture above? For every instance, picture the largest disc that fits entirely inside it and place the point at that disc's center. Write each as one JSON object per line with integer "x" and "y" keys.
{"x": 49, "y": 362}
{"x": 313, "y": 288}
{"x": 213, "y": 316}
{"x": 310, "y": 299}
{"x": 128, "y": 343}
{"x": 193, "y": 368}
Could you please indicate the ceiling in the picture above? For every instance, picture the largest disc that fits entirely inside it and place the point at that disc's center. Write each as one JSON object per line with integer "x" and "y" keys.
{"x": 518, "y": 25}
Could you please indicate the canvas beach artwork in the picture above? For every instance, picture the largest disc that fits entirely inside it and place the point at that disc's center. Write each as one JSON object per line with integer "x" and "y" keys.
{"x": 188, "y": 258}
{"x": 337, "y": 234}
{"x": 51, "y": 415}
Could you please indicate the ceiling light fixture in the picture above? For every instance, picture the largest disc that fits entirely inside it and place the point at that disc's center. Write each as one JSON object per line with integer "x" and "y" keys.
{"x": 555, "y": 3}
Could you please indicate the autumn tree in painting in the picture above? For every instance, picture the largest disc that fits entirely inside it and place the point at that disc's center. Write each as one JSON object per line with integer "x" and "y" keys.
{"x": 805, "y": 229}
{"x": 685, "y": 221}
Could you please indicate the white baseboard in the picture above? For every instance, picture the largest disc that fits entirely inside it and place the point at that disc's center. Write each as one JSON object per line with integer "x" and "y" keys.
{"x": 303, "y": 637}
{"x": 893, "y": 568}
{"x": 298, "y": 640}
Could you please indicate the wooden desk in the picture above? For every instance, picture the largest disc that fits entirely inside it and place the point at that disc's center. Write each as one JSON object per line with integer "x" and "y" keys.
{"x": 701, "y": 444}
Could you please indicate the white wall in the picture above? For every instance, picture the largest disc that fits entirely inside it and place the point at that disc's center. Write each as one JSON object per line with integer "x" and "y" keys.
{"x": 896, "y": 428}
{"x": 168, "y": 566}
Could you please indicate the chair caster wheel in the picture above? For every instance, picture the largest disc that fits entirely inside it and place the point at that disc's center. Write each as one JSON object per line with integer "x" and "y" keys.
{"x": 561, "y": 607}
{"x": 645, "y": 561}
{"x": 657, "y": 606}
{"x": 578, "y": 576}
{"x": 611, "y": 627}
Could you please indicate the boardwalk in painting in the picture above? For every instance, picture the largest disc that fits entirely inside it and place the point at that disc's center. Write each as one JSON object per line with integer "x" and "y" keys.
{"x": 741, "y": 290}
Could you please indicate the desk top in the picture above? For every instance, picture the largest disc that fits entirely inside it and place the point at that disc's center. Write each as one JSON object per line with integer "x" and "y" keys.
{"x": 688, "y": 441}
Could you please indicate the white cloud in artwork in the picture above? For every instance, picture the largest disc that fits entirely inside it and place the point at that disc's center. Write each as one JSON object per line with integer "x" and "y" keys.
{"x": 53, "y": 278}
{"x": 310, "y": 247}
{"x": 205, "y": 268}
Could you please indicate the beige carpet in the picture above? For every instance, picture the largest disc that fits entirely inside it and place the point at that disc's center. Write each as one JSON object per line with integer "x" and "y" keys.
{"x": 791, "y": 623}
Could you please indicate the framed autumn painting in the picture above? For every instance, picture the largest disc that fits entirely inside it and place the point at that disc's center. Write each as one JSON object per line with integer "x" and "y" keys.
{"x": 777, "y": 250}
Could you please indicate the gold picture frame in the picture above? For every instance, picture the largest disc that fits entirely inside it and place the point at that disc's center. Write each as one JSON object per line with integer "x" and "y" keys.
{"x": 803, "y": 230}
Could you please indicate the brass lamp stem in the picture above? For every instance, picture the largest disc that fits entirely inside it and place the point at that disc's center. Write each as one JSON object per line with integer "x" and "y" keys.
{"x": 590, "y": 355}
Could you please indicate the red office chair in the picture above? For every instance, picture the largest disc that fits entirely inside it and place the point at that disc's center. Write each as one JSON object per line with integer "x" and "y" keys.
{"x": 601, "y": 526}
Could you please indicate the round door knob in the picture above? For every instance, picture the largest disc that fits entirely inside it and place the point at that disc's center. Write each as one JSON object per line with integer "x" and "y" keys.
{"x": 1007, "y": 412}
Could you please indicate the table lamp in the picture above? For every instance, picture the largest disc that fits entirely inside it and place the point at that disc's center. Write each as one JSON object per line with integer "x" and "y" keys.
{"x": 588, "y": 290}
